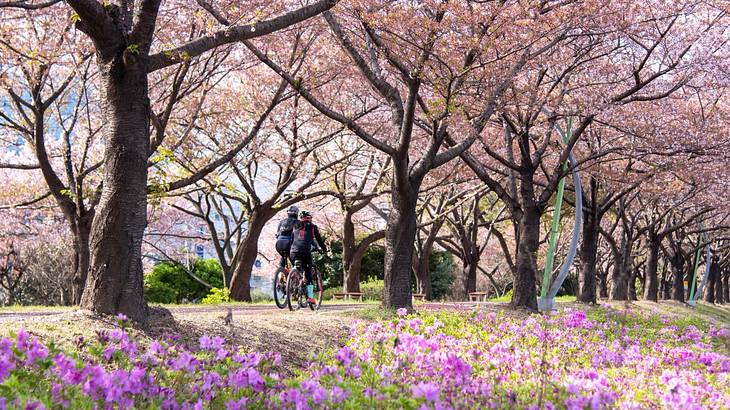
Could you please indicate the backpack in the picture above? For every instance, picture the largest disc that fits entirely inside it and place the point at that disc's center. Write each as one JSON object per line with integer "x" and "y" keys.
{"x": 286, "y": 226}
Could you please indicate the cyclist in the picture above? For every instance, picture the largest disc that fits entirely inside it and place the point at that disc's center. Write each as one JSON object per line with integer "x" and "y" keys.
{"x": 304, "y": 235}
{"x": 284, "y": 234}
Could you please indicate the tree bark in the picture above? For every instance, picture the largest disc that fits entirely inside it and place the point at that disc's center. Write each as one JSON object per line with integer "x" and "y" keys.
{"x": 423, "y": 273}
{"x": 400, "y": 237}
{"x": 604, "y": 285}
{"x": 719, "y": 293}
{"x": 652, "y": 277}
{"x": 633, "y": 273}
{"x": 524, "y": 292}
{"x": 621, "y": 274}
{"x": 115, "y": 278}
{"x": 246, "y": 254}
{"x": 711, "y": 281}
{"x": 726, "y": 284}
{"x": 588, "y": 256}
{"x": 350, "y": 269}
{"x": 81, "y": 232}
{"x": 469, "y": 272}
{"x": 678, "y": 264}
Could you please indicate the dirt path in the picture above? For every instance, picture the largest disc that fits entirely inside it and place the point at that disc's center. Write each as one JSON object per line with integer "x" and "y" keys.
{"x": 297, "y": 336}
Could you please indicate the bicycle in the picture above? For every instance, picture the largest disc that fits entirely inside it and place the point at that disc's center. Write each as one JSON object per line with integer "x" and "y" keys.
{"x": 296, "y": 288}
{"x": 280, "y": 278}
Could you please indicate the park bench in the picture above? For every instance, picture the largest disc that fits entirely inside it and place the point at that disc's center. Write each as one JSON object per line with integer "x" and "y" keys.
{"x": 478, "y": 296}
{"x": 419, "y": 296}
{"x": 348, "y": 296}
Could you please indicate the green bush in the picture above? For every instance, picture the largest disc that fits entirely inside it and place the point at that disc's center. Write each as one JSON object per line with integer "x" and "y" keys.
{"x": 170, "y": 283}
{"x": 217, "y": 296}
{"x": 441, "y": 265}
{"x": 330, "y": 265}
{"x": 372, "y": 289}
{"x": 373, "y": 263}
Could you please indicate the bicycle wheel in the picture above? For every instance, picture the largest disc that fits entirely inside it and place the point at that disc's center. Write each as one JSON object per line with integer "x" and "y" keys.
{"x": 318, "y": 289}
{"x": 280, "y": 288}
{"x": 293, "y": 289}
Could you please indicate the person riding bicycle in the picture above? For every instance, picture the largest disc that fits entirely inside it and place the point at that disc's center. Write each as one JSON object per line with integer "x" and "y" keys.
{"x": 304, "y": 235}
{"x": 284, "y": 234}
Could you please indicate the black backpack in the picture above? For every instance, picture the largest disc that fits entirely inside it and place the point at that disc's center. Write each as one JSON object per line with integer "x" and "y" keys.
{"x": 285, "y": 227}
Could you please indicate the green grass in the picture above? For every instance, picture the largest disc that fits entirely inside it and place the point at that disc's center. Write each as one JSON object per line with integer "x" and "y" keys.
{"x": 372, "y": 313}
{"x": 508, "y": 298}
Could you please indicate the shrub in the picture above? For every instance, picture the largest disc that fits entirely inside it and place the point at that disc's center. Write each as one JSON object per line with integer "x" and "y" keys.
{"x": 217, "y": 296}
{"x": 441, "y": 265}
{"x": 170, "y": 282}
{"x": 373, "y": 263}
{"x": 372, "y": 289}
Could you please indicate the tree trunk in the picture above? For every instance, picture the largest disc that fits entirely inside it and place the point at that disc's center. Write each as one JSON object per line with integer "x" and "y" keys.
{"x": 114, "y": 283}
{"x": 719, "y": 293}
{"x": 665, "y": 282}
{"x": 423, "y": 273}
{"x": 588, "y": 254}
{"x": 678, "y": 277}
{"x": 350, "y": 269}
{"x": 603, "y": 283}
{"x": 632, "y": 284}
{"x": 651, "y": 275}
{"x": 726, "y": 285}
{"x": 620, "y": 289}
{"x": 246, "y": 254}
{"x": 399, "y": 238}
{"x": 81, "y": 232}
{"x": 711, "y": 281}
{"x": 469, "y": 272}
{"x": 524, "y": 292}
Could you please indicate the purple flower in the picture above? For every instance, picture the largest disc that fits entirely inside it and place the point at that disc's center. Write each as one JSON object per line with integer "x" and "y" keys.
{"x": 429, "y": 391}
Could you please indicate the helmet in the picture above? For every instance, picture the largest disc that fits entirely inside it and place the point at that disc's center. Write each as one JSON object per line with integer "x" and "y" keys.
{"x": 293, "y": 211}
{"x": 305, "y": 216}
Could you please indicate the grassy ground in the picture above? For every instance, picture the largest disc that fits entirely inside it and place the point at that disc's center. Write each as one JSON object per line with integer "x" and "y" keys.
{"x": 284, "y": 331}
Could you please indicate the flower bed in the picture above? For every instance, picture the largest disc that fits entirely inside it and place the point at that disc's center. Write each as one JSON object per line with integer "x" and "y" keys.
{"x": 600, "y": 359}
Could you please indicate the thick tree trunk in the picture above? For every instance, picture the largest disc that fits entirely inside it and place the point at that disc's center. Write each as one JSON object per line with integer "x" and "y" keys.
{"x": 651, "y": 275}
{"x": 423, "y": 273}
{"x": 621, "y": 274}
{"x": 352, "y": 272}
{"x": 678, "y": 264}
{"x": 246, "y": 254}
{"x": 399, "y": 238}
{"x": 603, "y": 283}
{"x": 114, "y": 283}
{"x": 726, "y": 285}
{"x": 719, "y": 293}
{"x": 588, "y": 254}
{"x": 350, "y": 268}
{"x": 525, "y": 293}
{"x": 81, "y": 232}
{"x": 469, "y": 272}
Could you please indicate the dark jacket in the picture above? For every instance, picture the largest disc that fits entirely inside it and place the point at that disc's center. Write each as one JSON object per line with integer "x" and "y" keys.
{"x": 304, "y": 235}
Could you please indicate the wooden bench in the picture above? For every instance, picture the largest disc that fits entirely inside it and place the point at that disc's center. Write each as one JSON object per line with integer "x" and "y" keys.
{"x": 478, "y": 296}
{"x": 348, "y": 296}
{"x": 419, "y": 296}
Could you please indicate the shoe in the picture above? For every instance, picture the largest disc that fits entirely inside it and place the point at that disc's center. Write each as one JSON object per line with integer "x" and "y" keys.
{"x": 311, "y": 301}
